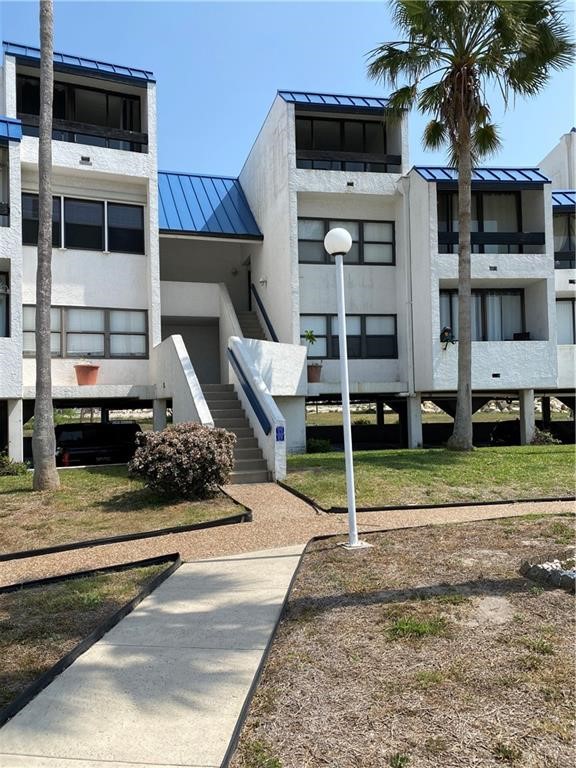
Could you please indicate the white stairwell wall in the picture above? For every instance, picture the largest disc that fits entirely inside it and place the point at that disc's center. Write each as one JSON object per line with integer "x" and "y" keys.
{"x": 175, "y": 378}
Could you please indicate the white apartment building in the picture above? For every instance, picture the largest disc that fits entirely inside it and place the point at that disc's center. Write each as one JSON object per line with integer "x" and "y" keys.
{"x": 194, "y": 292}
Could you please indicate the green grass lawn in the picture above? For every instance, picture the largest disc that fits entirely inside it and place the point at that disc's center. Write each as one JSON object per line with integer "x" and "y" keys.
{"x": 92, "y": 503}
{"x": 435, "y": 476}
{"x": 40, "y": 625}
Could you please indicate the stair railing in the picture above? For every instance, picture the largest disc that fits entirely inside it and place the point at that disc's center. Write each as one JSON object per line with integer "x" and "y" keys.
{"x": 263, "y": 313}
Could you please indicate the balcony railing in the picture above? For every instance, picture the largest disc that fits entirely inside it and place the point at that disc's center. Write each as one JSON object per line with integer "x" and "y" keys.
{"x": 565, "y": 260}
{"x": 93, "y": 135}
{"x": 512, "y": 242}
{"x": 329, "y": 160}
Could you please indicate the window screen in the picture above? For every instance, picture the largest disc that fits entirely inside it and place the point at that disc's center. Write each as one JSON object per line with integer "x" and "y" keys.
{"x": 84, "y": 224}
{"x": 125, "y": 228}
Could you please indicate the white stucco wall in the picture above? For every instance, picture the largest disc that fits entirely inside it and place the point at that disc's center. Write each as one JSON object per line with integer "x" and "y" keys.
{"x": 293, "y": 409}
{"x": 11, "y": 262}
{"x": 566, "y": 366}
{"x": 281, "y": 366}
{"x": 560, "y": 163}
{"x": 207, "y": 261}
{"x": 265, "y": 181}
{"x": 183, "y": 299}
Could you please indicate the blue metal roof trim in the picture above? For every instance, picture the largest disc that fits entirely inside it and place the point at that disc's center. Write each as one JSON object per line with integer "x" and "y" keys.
{"x": 507, "y": 175}
{"x": 561, "y": 198}
{"x": 333, "y": 100}
{"x": 208, "y": 205}
{"x": 10, "y": 129}
{"x": 79, "y": 62}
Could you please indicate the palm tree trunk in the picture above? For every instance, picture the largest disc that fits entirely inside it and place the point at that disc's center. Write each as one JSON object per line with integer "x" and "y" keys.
{"x": 461, "y": 439}
{"x": 43, "y": 440}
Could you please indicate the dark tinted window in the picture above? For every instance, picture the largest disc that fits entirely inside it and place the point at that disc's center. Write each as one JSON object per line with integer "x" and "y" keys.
{"x": 84, "y": 224}
{"x": 303, "y": 133}
{"x": 30, "y": 220}
{"x": 327, "y": 134}
{"x": 125, "y": 228}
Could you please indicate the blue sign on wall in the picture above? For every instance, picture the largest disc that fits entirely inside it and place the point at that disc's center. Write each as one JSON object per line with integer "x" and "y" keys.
{"x": 279, "y": 434}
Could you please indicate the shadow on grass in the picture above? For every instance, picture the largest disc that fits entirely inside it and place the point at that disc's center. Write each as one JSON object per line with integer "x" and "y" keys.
{"x": 308, "y": 606}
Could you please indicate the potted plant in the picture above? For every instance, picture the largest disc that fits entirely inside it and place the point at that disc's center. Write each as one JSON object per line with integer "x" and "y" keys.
{"x": 86, "y": 372}
{"x": 314, "y": 368}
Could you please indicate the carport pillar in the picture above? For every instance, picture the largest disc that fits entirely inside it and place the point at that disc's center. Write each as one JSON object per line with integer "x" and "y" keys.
{"x": 527, "y": 417}
{"x": 380, "y": 413}
{"x": 15, "y": 430}
{"x": 159, "y": 415}
{"x": 546, "y": 414}
{"x": 414, "y": 419}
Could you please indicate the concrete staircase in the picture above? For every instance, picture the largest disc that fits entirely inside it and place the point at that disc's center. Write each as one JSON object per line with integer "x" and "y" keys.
{"x": 227, "y": 412}
{"x": 250, "y": 325}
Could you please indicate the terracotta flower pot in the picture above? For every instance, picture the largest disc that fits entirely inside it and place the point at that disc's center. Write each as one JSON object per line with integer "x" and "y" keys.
{"x": 86, "y": 374}
{"x": 314, "y": 372}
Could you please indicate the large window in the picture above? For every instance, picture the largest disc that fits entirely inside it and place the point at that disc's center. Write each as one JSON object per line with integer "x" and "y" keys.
{"x": 30, "y": 220}
{"x": 79, "y": 104}
{"x": 77, "y": 108}
{"x": 372, "y": 241}
{"x": 564, "y": 240}
{"x": 332, "y": 144}
{"x": 492, "y": 213}
{"x": 83, "y": 225}
{"x": 566, "y": 321}
{"x": 91, "y": 332}
{"x": 367, "y": 336}
{"x": 497, "y": 315}
{"x": 4, "y": 305}
{"x": 125, "y": 228}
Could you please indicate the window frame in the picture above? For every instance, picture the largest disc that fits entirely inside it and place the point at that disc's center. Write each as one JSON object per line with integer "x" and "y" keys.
{"x": 361, "y": 242}
{"x": 483, "y": 293}
{"x": 331, "y": 336}
{"x": 104, "y": 228}
{"x": 567, "y": 258}
{"x": 571, "y": 301}
{"x": 57, "y": 228}
{"x": 6, "y": 293}
{"x": 106, "y": 332}
{"x": 60, "y": 227}
{"x": 478, "y": 196}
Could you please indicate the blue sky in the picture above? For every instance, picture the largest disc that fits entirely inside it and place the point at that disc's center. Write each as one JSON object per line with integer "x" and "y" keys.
{"x": 219, "y": 65}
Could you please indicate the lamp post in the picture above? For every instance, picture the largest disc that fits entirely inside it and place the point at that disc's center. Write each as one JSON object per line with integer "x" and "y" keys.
{"x": 338, "y": 242}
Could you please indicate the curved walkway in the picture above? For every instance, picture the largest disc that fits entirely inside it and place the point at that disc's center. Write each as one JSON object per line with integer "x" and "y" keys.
{"x": 280, "y": 519}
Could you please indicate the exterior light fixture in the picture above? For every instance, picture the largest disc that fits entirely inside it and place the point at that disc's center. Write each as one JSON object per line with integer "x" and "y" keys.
{"x": 338, "y": 242}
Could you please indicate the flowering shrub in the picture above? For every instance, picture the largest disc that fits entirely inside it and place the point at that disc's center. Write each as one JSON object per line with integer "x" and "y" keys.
{"x": 187, "y": 460}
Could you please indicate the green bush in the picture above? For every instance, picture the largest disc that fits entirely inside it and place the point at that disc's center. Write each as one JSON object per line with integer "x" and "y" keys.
{"x": 187, "y": 460}
{"x": 318, "y": 445}
{"x": 11, "y": 468}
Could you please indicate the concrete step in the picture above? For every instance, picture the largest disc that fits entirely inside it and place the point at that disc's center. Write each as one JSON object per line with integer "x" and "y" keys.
{"x": 229, "y": 404}
{"x": 250, "y": 465}
{"x": 230, "y": 424}
{"x": 217, "y": 388}
{"x": 242, "y": 432}
{"x": 237, "y": 478}
{"x": 245, "y": 454}
{"x": 246, "y": 443}
{"x": 222, "y": 414}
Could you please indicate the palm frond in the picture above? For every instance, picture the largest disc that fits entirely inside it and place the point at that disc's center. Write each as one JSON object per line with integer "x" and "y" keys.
{"x": 485, "y": 141}
{"x": 435, "y": 135}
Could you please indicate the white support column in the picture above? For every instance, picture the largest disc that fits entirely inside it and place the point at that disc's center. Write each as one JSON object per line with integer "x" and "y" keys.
{"x": 159, "y": 415}
{"x": 414, "y": 416}
{"x": 15, "y": 430}
{"x": 527, "y": 417}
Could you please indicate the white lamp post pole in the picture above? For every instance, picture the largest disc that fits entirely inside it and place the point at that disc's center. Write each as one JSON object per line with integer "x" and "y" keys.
{"x": 338, "y": 242}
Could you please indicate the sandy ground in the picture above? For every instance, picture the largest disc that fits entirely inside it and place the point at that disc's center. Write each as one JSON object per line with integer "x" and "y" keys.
{"x": 280, "y": 519}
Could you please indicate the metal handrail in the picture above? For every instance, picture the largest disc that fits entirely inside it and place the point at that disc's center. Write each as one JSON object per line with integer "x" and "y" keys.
{"x": 265, "y": 317}
{"x": 250, "y": 394}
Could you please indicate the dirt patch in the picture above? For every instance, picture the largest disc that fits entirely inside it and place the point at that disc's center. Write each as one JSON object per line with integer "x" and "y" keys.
{"x": 412, "y": 654}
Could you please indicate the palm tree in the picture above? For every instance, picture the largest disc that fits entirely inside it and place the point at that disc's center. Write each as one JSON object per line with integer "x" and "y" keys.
{"x": 43, "y": 440}
{"x": 464, "y": 47}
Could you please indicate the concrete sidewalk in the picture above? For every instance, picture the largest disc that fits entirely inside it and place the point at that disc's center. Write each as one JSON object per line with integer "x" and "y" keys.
{"x": 167, "y": 685}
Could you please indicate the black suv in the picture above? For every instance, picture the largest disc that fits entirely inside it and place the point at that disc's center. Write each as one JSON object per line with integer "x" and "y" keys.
{"x": 108, "y": 443}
